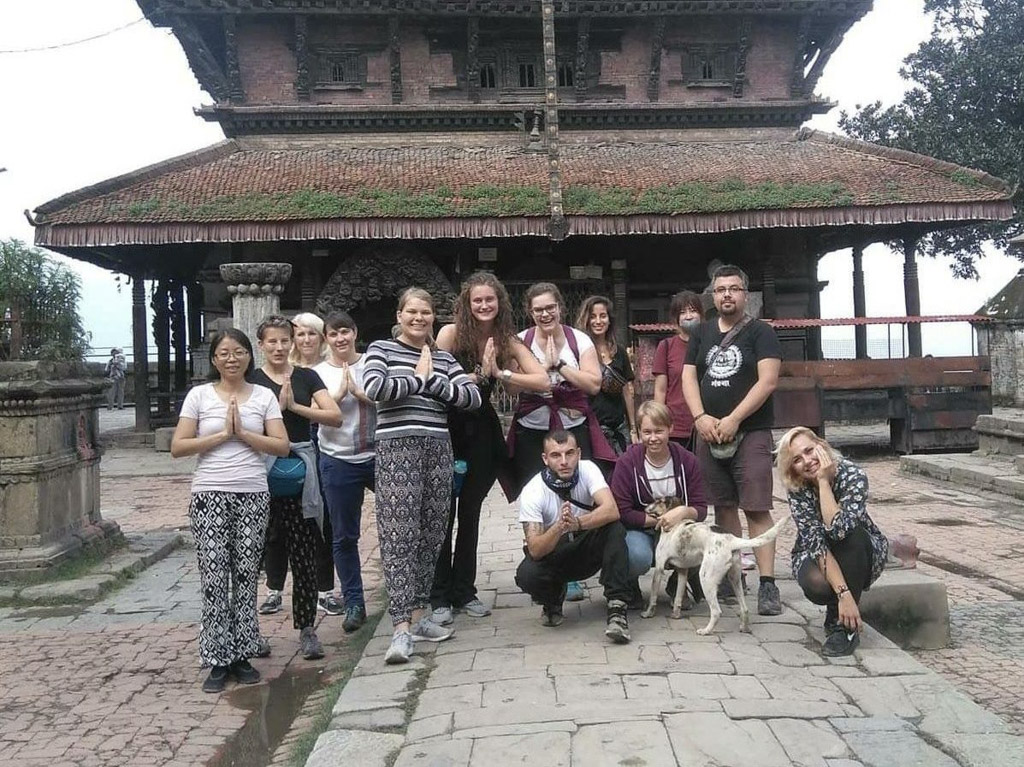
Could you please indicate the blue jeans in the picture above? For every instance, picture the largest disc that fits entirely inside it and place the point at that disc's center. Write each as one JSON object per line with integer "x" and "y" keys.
{"x": 344, "y": 486}
{"x": 640, "y": 545}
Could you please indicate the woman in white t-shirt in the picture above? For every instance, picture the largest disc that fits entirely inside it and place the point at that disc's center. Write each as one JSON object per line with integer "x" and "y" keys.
{"x": 569, "y": 357}
{"x": 229, "y": 423}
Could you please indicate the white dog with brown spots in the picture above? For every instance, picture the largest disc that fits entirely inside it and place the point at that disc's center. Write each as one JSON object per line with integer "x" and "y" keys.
{"x": 697, "y": 544}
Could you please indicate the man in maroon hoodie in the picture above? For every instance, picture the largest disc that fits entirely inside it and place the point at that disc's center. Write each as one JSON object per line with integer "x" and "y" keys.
{"x": 655, "y": 468}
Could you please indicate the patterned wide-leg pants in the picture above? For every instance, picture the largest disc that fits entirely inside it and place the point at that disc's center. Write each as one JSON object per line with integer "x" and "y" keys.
{"x": 303, "y": 539}
{"x": 229, "y": 529}
{"x": 414, "y": 490}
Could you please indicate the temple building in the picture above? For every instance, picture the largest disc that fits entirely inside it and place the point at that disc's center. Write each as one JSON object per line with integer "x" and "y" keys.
{"x": 613, "y": 146}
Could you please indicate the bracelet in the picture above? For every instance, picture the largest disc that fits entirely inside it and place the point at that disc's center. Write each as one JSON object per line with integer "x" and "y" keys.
{"x": 842, "y": 590}
{"x": 698, "y": 417}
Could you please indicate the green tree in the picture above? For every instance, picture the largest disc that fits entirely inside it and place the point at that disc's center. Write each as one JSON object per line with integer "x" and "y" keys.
{"x": 38, "y": 306}
{"x": 966, "y": 106}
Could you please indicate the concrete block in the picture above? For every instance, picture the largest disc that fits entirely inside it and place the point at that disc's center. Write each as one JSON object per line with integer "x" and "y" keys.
{"x": 640, "y": 743}
{"x": 367, "y": 749}
{"x": 988, "y": 750}
{"x": 910, "y": 608}
{"x": 900, "y": 747}
{"x": 162, "y": 439}
{"x": 441, "y": 753}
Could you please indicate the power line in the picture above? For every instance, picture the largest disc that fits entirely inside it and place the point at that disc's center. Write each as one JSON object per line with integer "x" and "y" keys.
{"x": 71, "y": 43}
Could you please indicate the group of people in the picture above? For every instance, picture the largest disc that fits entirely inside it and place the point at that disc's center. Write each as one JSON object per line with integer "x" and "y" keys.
{"x": 287, "y": 452}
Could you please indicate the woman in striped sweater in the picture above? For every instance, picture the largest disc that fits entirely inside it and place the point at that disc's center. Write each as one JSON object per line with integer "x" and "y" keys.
{"x": 414, "y": 386}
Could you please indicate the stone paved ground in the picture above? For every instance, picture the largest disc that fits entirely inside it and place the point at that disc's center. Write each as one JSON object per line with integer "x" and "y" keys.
{"x": 117, "y": 682}
{"x": 506, "y": 690}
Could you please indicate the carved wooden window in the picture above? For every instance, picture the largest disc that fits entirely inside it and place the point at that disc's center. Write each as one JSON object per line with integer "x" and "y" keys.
{"x": 488, "y": 75}
{"x": 710, "y": 65}
{"x": 341, "y": 69}
{"x": 566, "y": 74}
{"x": 527, "y": 74}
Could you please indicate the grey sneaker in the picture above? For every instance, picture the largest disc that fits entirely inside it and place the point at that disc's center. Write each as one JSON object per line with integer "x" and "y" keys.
{"x": 443, "y": 616}
{"x": 330, "y": 604}
{"x": 272, "y": 603}
{"x": 310, "y": 644}
{"x": 425, "y": 630}
{"x": 618, "y": 626}
{"x": 474, "y": 608}
{"x": 769, "y": 602}
{"x": 551, "y": 615}
{"x": 400, "y": 649}
{"x": 263, "y": 647}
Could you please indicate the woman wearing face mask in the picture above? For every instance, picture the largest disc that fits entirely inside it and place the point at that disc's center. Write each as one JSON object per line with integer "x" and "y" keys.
{"x": 656, "y": 468}
{"x": 613, "y": 405}
{"x": 231, "y": 425}
{"x": 483, "y": 340}
{"x": 687, "y": 312}
{"x": 414, "y": 387}
{"x": 298, "y": 518}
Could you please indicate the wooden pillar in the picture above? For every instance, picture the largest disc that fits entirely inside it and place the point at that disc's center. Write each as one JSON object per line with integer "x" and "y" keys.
{"x": 473, "y": 59}
{"x": 620, "y": 297}
{"x": 307, "y": 286}
{"x": 179, "y": 339}
{"x": 770, "y": 308}
{"x": 301, "y": 57}
{"x": 860, "y": 332}
{"x": 140, "y": 353}
{"x": 162, "y": 338}
{"x": 912, "y": 293}
{"x": 813, "y": 307}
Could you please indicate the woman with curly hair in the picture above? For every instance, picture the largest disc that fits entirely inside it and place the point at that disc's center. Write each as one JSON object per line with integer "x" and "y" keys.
{"x": 483, "y": 340}
{"x": 613, "y": 405}
{"x": 839, "y": 551}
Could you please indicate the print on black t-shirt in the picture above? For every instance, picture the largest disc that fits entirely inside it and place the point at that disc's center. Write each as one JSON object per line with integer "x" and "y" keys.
{"x": 734, "y": 372}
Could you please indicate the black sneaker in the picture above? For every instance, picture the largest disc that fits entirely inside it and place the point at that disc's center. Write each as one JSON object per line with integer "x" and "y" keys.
{"x": 355, "y": 617}
{"x": 216, "y": 680}
{"x": 618, "y": 625}
{"x": 243, "y": 672}
{"x": 840, "y": 642}
{"x": 769, "y": 602}
{"x": 271, "y": 604}
{"x": 330, "y": 604}
{"x": 551, "y": 615}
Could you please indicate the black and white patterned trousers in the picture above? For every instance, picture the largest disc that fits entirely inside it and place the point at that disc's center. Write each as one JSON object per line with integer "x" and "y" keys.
{"x": 229, "y": 529}
{"x": 302, "y": 538}
{"x": 414, "y": 490}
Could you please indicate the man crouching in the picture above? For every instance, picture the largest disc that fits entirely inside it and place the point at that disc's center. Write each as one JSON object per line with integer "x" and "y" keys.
{"x": 572, "y": 530}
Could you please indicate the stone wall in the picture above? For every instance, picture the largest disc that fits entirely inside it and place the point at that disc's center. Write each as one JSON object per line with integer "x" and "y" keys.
{"x": 1003, "y": 342}
{"x": 49, "y": 465}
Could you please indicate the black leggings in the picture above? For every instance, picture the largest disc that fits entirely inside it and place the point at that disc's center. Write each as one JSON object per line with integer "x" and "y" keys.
{"x": 854, "y": 555}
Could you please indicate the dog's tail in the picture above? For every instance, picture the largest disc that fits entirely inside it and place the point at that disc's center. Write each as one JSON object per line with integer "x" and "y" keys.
{"x": 766, "y": 537}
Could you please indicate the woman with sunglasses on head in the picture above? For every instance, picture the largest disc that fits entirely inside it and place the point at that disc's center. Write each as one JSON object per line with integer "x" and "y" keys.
{"x": 613, "y": 405}
{"x": 414, "y": 386}
{"x": 483, "y": 340}
{"x": 308, "y": 349}
{"x": 230, "y": 424}
{"x": 304, "y": 400}
{"x": 686, "y": 312}
{"x": 839, "y": 551}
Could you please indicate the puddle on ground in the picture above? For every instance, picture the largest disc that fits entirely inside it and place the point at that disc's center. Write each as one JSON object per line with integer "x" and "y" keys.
{"x": 944, "y": 522}
{"x": 48, "y": 611}
{"x": 274, "y": 706}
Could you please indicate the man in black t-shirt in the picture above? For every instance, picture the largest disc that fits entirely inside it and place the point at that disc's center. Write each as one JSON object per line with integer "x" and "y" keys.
{"x": 729, "y": 391}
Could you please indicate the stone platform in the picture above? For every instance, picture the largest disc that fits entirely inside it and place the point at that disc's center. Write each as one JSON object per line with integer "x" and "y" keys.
{"x": 506, "y": 690}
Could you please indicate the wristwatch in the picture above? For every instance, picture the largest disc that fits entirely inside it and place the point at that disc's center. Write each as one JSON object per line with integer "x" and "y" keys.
{"x": 506, "y": 375}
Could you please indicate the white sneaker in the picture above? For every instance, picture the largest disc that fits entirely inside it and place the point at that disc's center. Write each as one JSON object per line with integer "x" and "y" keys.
{"x": 443, "y": 616}
{"x": 474, "y": 608}
{"x": 400, "y": 649}
{"x": 747, "y": 560}
{"x": 425, "y": 630}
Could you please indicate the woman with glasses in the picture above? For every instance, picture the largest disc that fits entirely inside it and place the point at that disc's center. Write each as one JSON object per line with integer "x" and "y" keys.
{"x": 414, "y": 386}
{"x": 613, "y": 405}
{"x": 686, "y": 312}
{"x": 230, "y": 424}
{"x": 304, "y": 400}
{"x": 308, "y": 349}
{"x": 483, "y": 340}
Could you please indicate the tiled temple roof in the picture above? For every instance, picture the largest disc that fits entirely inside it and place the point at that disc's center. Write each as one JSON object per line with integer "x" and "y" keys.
{"x": 232, "y": 193}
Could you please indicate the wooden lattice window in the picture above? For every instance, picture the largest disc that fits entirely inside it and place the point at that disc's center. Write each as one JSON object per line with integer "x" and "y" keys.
{"x": 566, "y": 74}
{"x": 488, "y": 75}
{"x": 341, "y": 69}
{"x": 527, "y": 74}
{"x": 710, "y": 65}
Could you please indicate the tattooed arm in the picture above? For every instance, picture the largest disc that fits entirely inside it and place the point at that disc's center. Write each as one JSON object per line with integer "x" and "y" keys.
{"x": 541, "y": 542}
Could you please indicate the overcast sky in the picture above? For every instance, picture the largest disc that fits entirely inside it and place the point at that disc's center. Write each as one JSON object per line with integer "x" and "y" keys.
{"x": 77, "y": 115}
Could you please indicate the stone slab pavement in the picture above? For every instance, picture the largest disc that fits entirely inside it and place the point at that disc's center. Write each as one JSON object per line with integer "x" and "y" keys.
{"x": 506, "y": 690}
{"x": 117, "y": 682}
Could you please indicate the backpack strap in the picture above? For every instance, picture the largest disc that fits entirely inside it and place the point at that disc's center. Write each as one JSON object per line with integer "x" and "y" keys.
{"x": 570, "y": 339}
{"x": 531, "y": 333}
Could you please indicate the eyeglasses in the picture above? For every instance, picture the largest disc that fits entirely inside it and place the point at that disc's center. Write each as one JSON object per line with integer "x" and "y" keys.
{"x": 730, "y": 289}
{"x": 541, "y": 310}
{"x": 237, "y": 354}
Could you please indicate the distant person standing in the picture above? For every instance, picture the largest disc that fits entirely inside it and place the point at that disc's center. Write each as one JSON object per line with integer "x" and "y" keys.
{"x": 732, "y": 368}
{"x": 115, "y": 370}
{"x": 686, "y": 312}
